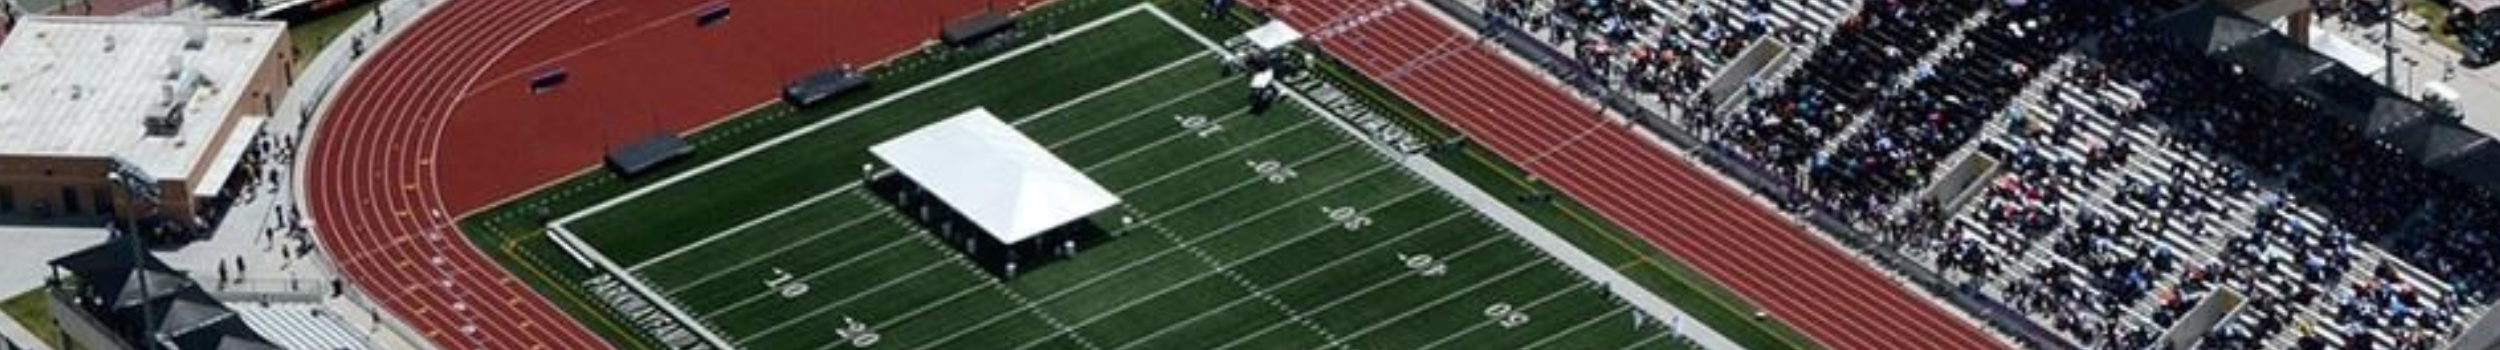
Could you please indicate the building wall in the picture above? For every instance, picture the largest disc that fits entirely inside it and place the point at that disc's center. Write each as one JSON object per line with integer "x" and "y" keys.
{"x": 82, "y": 328}
{"x": 31, "y": 186}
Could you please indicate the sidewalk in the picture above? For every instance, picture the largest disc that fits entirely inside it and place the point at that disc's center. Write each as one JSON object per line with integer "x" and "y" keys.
{"x": 293, "y": 117}
{"x": 18, "y": 335}
{"x": 30, "y": 250}
{"x": 2420, "y": 61}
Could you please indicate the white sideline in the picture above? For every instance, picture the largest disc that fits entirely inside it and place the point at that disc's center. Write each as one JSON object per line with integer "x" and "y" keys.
{"x": 854, "y": 111}
{"x": 702, "y": 329}
{"x": 1045, "y": 113}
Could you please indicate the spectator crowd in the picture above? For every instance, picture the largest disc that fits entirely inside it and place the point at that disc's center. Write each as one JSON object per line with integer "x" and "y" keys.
{"x": 2137, "y": 179}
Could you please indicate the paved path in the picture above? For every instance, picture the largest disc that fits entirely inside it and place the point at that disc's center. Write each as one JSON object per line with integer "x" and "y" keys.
{"x": 2420, "y": 61}
{"x": 1561, "y": 250}
{"x": 29, "y": 251}
{"x": 18, "y": 335}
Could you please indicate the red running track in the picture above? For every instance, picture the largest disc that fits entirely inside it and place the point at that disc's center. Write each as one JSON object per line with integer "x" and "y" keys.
{"x": 439, "y": 123}
{"x": 1799, "y": 279}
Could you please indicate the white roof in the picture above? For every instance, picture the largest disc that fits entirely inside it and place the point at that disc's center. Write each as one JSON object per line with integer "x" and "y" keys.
{"x": 229, "y": 155}
{"x": 1273, "y": 35}
{"x": 80, "y": 87}
{"x": 2363, "y": 60}
{"x": 1009, "y": 185}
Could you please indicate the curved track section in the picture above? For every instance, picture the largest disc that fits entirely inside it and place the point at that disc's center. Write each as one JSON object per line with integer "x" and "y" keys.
{"x": 440, "y": 123}
{"x": 1801, "y": 280}
{"x": 382, "y": 220}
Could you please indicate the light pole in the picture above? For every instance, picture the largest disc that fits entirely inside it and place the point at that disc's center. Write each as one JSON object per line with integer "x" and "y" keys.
{"x": 135, "y": 183}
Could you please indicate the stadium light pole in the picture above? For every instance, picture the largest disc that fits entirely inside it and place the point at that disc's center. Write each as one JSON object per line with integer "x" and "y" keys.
{"x": 2387, "y": 40}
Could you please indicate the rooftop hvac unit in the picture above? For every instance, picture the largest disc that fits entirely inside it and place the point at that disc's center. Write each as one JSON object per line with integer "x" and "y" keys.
{"x": 195, "y": 34}
{"x": 164, "y": 118}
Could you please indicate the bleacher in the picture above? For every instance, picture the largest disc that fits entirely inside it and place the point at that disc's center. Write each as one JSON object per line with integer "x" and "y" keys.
{"x": 2133, "y": 190}
{"x": 2138, "y": 180}
{"x": 301, "y": 326}
{"x": 1665, "y": 49}
{"x": 2140, "y": 226}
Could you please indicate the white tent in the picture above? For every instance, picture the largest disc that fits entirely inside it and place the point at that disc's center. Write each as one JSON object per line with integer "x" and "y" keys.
{"x": 1004, "y": 182}
{"x": 1273, "y": 35}
{"x": 2365, "y": 60}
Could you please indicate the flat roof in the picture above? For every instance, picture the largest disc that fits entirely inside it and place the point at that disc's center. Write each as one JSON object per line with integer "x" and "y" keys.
{"x": 81, "y": 87}
{"x": 1273, "y": 35}
{"x": 1010, "y": 186}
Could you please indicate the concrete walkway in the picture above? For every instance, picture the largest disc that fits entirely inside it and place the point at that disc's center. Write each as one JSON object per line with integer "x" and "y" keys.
{"x": 30, "y": 250}
{"x": 2420, "y": 61}
{"x": 18, "y": 335}
{"x": 314, "y": 85}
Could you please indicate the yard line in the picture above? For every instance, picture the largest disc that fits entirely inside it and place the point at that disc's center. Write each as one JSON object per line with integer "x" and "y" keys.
{"x": 810, "y": 276}
{"x": 1134, "y": 151}
{"x": 1332, "y": 263}
{"x": 1171, "y": 251}
{"x": 1001, "y": 287}
{"x": 785, "y": 210}
{"x": 1192, "y": 94}
{"x": 959, "y": 294}
{"x": 1645, "y": 340}
{"x": 1141, "y": 261}
{"x": 1532, "y": 304}
{"x": 1037, "y": 311}
{"x": 1097, "y": 278}
{"x": 1257, "y": 291}
{"x": 775, "y": 252}
{"x": 743, "y": 226}
{"x": 1123, "y": 83}
{"x": 1203, "y": 161}
{"x": 845, "y": 300}
{"x": 1574, "y": 328}
{"x": 1367, "y": 290}
{"x": 870, "y": 106}
{"x": 1445, "y": 298}
{"x": 1224, "y": 268}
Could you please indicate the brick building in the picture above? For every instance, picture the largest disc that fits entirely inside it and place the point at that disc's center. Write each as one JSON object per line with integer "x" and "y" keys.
{"x": 85, "y": 101}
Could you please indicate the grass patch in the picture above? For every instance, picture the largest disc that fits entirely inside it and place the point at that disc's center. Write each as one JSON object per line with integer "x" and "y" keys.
{"x": 32, "y": 309}
{"x": 311, "y": 36}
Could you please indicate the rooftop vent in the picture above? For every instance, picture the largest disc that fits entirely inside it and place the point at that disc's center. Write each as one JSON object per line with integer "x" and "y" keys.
{"x": 195, "y": 34}
{"x": 164, "y": 118}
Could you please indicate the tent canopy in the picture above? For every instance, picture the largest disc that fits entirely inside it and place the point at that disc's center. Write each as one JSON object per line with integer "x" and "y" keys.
{"x": 1011, "y": 187}
{"x": 2209, "y": 27}
{"x": 2278, "y": 60}
{"x": 1273, "y": 35}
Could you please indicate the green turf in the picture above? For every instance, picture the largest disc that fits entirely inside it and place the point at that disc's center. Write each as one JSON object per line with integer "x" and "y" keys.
{"x": 1217, "y": 254}
{"x": 1708, "y": 303}
{"x": 32, "y": 309}
{"x": 1273, "y": 250}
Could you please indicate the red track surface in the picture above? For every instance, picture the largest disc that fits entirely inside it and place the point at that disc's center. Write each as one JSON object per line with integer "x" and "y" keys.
{"x": 1801, "y": 280}
{"x": 439, "y": 123}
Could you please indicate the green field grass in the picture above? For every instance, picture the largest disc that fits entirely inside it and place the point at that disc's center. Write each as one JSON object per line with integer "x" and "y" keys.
{"x": 1218, "y": 256}
{"x": 512, "y": 232}
{"x": 32, "y": 310}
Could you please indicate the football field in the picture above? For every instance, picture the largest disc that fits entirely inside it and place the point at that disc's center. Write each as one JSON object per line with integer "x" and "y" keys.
{"x": 1237, "y": 230}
